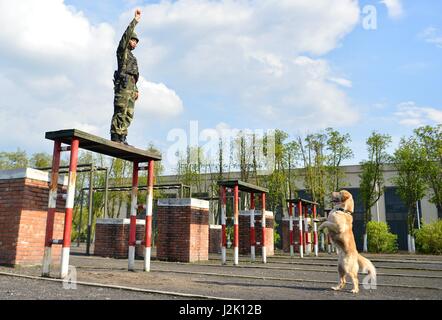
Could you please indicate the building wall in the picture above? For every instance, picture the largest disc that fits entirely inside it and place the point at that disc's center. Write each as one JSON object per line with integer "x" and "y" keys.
{"x": 351, "y": 181}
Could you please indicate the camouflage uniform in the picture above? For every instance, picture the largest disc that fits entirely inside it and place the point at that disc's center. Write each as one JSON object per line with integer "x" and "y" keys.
{"x": 125, "y": 84}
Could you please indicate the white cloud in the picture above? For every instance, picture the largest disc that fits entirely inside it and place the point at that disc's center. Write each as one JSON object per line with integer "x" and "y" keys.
{"x": 263, "y": 55}
{"x": 412, "y": 115}
{"x": 432, "y": 35}
{"x": 395, "y": 8}
{"x": 56, "y": 70}
{"x": 157, "y": 99}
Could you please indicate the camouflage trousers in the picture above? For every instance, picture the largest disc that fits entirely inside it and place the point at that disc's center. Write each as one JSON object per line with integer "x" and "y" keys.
{"x": 124, "y": 104}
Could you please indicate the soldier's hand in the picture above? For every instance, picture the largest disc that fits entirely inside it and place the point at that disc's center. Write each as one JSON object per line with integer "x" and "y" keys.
{"x": 138, "y": 15}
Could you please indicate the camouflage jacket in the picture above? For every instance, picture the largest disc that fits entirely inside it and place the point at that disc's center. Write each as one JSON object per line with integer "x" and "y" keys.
{"x": 127, "y": 63}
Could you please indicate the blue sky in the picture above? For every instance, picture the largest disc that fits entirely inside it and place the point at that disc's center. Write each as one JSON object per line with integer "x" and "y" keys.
{"x": 297, "y": 65}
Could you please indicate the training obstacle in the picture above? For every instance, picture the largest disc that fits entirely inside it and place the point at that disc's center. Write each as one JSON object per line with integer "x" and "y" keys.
{"x": 74, "y": 140}
{"x": 304, "y": 223}
{"x": 236, "y": 186}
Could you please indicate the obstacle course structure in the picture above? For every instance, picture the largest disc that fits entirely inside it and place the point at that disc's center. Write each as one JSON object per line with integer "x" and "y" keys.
{"x": 302, "y": 207}
{"x": 74, "y": 140}
{"x": 236, "y": 186}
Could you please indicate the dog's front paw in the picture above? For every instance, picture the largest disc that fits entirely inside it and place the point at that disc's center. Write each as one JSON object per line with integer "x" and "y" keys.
{"x": 336, "y": 288}
{"x": 355, "y": 291}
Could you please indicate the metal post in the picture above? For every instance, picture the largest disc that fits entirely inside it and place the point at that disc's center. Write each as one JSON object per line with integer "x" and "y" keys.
{"x": 223, "y": 200}
{"x": 133, "y": 218}
{"x": 149, "y": 208}
{"x": 236, "y": 225}
{"x": 263, "y": 224}
{"x": 315, "y": 231}
{"x": 418, "y": 215}
{"x": 252, "y": 227}
{"x": 106, "y": 194}
{"x": 301, "y": 242}
{"x": 81, "y": 215}
{"x": 52, "y": 206}
{"x": 69, "y": 208}
{"x": 90, "y": 211}
{"x": 307, "y": 241}
{"x": 292, "y": 251}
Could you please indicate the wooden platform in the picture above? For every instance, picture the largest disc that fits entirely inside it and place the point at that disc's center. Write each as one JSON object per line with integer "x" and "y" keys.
{"x": 103, "y": 146}
{"x": 243, "y": 186}
{"x": 304, "y": 201}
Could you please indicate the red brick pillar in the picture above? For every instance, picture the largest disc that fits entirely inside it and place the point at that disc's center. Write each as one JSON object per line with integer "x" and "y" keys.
{"x": 112, "y": 238}
{"x": 183, "y": 230}
{"x": 23, "y": 211}
{"x": 215, "y": 238}
{"x": 244, "y": 233}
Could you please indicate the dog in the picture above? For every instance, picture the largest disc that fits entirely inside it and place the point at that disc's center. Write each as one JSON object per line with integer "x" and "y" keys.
{"x": 340, "y": 227}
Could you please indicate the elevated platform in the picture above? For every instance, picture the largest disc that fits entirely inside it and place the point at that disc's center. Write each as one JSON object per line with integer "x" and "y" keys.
{"x": 304, "y": 201}
{"x": 243, "y": 186}
{"x": 100, "y": 145}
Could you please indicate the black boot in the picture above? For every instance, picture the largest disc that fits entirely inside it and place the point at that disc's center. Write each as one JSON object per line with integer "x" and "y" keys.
{"x": 115, "y": 137}
{"x": 123, "y": 140}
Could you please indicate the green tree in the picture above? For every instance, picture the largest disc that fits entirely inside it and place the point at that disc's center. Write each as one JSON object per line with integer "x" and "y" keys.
{"x": 314, "y": 158}
{"x": 430, "y": 141}
{"x": 410, "y": 182}
{"x": 337, "y": 145}
{"x": 40, "y": 160}
{"x": 13, "y": 160}
{"x": 371, "y": 177}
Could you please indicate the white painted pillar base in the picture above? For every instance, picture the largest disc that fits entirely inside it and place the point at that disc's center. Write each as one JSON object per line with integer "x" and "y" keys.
{"x": 413, "y": 245}
{"x": 252, "y": 253}
{"x": 64, "y": 262}
{"x": 292, "y": 251}
{"x": 147, "y": 254}
{"x": 365, "y": 248}
{"x": 236, "y": 256}
{"x": 131, "y": 258}
{"x": 322, "y": 242}
{"x": 47, "y": 262}
{"x": 264, "y": 254}
{"x": 223, "y": 255}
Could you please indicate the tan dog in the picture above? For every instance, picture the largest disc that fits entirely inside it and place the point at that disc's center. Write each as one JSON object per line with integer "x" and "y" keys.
{"x": 340, "y": 226}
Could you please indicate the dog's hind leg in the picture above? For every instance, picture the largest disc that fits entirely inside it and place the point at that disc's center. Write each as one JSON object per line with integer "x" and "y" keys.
{"x": 342, "y": 280}
{"x": 354, "y": 278}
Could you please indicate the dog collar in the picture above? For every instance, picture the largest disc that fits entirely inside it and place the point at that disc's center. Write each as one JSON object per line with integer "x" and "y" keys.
{"x": 345, "y": 211}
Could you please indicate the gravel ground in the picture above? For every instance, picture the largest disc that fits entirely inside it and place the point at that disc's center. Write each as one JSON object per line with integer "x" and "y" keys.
{"x": 282, "y": 278}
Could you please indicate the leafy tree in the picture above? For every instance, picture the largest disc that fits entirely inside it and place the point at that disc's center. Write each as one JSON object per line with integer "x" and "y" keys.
{"x": 372, "y": 179}
{"x": 13, "y": 160}
{"x": 430, "y": 141}
{"x": 40, "y": 160}
{"x": 314, "y": 163}
{"x": 410, "y": 165}
{"x": 337, "y": 145}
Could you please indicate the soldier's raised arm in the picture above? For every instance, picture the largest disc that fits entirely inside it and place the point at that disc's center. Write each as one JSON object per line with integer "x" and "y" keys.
{"x": 124, "y": 42}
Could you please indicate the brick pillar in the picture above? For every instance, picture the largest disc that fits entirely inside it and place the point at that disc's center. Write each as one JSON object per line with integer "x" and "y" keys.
{"x": 23, "y": 210}
{"x": 215, "y": 238}
{"x": 112, "y": 238}
{"x": 244, "y": 233}
{"x": 183, "y": 230}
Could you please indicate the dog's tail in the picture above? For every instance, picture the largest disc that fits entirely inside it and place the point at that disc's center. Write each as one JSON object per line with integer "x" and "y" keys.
{"x": 367, "y": 265}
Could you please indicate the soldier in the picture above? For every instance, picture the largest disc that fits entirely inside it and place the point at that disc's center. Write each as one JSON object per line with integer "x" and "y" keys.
{"x": 125, "y": 83}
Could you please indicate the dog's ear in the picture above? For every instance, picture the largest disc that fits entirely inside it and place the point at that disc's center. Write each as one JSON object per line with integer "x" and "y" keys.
{"x": 345, "y": 195}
